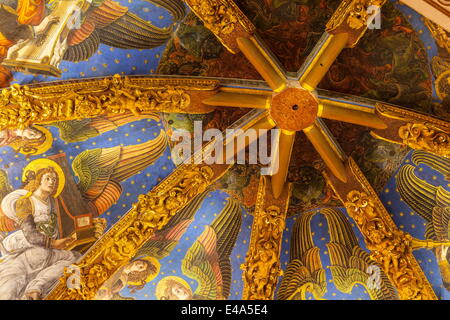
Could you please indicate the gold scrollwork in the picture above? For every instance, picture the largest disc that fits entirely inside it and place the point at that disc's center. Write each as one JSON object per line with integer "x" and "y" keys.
{"x": 389, "y": 246}
{"x": 152, "y": 212}
{"x": 441, "y": 36}
{"x": 354, "y": 13}
{"x": 352, "y": 17}
{"x": 262, "y": 266}
{"x": 422, "y": 137}
{"x": 21, "y": 106}
{"x": 222, "y": 17}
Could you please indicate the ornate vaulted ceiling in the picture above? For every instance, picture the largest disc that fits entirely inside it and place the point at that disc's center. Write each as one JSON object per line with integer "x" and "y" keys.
{"x": 140, "y": 237}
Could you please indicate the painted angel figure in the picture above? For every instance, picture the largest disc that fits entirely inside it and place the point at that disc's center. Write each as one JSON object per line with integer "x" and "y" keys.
{"x": 51, "y": 31}
{"x": 29, "y": 141}
{"x": 145, "y": 266}
{"x": 207, "y": 261}
{"x": 34, "y": 256}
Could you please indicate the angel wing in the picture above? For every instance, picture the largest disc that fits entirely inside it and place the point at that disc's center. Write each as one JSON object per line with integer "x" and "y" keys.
{"x": 350, "y": 264}
{"x": 6, "y": 224}
{"x": 430, "y": 202}
{"x": 100, "y": 171}
{"x": 112, "y": 24}
{"x": 439, "y": 164}
{"x": 208, "y": 260}
{"x": 164, "y": 241}
{"x": 82, "y": 130}
{"x": 304, "y": 272}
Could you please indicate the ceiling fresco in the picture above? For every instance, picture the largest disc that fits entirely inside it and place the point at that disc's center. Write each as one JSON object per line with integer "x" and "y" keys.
{"x": 98, "y": 167}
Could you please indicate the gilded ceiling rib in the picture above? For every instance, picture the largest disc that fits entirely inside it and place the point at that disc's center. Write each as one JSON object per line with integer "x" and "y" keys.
{"x": 390, "y": 247}
{"x": 262, "y": 264}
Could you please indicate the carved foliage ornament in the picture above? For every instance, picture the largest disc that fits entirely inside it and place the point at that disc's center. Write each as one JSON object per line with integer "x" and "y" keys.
{"x": 422, "y": 137}
{"x": 262, "y": 266}
{"x": 21, "y": 106}
{"x": 220, "y": 16}
{"x": 390, "y": 247}
{"x": 152, "y": 212}
{"x": 352, "y": 18}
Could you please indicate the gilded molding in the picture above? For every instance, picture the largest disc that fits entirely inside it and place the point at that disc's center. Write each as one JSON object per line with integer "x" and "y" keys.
{"x": 352, "y": 17}
{"x": 422, "y": 137}
{"x": 152, "y": 212}
{"x": 389, "y": 246}
{"x": 224, "y": 19}
{"x": 441, "y": 36}
{"x": 262, "y": 265}
{"x": 416, "y": 130}
{"x": 21, "y": 106}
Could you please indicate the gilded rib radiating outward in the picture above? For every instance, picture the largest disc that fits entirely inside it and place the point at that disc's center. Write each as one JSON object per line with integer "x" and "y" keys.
{"x": 350, "y": 264}
{"x": 431, "y": 203}
{"x": 304, "y": 272}
{"x": 208, "y": 260}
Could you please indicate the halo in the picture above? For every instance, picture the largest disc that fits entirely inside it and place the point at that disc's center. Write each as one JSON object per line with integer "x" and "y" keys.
{"x": 38, "y": 164}
{"x": 151, "y": 276}
{"x": 162, "y": 285}
{"x": 47, "y": 144}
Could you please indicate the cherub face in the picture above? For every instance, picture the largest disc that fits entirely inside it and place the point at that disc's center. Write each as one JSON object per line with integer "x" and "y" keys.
{"x": 31, "y": 134}
{"x": 48, "y": 182}
{"x": 138, "y": 266}
{"x": 180, "y": 292}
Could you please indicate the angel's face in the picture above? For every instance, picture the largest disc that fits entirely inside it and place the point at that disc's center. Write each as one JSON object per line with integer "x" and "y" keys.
{"x": 48, "y": 182}
{"x": 138, "y": 266}
{"x": 180, "y": 292}
{"x": 31, "y": 134}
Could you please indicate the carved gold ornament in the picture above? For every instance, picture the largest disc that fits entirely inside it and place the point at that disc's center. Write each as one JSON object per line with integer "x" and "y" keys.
{"x": 352, "y": 17}
{"x": 262, "y": 266}
{"x": 422, "y": 137}
{"x": 441, "y": 36}
{"x": 223, "y": 18}
{"x": 262, "y": 263}
{"x": 152, "y": 212}
{"x": 389, "y": 246}
{"x": 21, "y": 106}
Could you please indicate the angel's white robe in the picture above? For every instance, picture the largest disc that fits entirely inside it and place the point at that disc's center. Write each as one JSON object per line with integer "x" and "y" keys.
{"x": 29, "y": 267}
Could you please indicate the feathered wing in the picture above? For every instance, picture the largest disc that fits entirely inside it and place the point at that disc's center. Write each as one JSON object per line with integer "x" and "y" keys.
{"x": 164, "y": 241}
{"x": 84, "y": 129}
{"x": 431, "y": 203}
{"x": 304, "y": 272}
{"x": 100, "y": 171}
{"x": 6, "y": 224}
{"x": 112, "y": 24}
{"x": 438, "y": 163}
{"x": 350, "y": 264}
{"x": 208, "y": 260}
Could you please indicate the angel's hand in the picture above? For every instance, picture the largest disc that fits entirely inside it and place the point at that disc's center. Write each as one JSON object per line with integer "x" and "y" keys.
{"x": 64, "y": 242}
